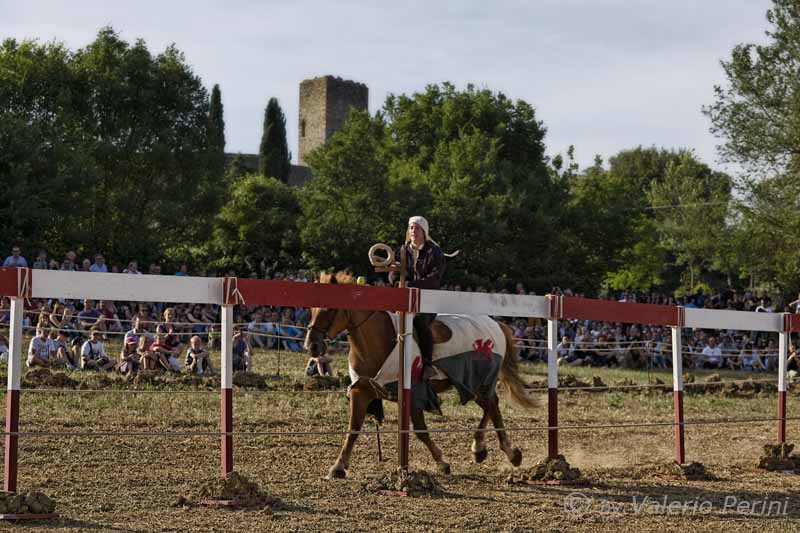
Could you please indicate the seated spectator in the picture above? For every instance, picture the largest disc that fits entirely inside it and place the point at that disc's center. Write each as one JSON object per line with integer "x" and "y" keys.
{"x": 175, "y": 332}
{"x": 99, "y": 264}
{"x": 259, "y": 331}
{"x": 3, "y": 348}
{"x": 318, "y": 366}
{"x": 148, "y": 360}
{"x": 41, "y": 261}
{"x": 90, "y": 318}
{"x": 61, "y": 318}
{"x": 129, "y": 358}
{"x": 39, "y": 350}
{"x": 86, "y": 265}
{"x": 748, "y": 359}
{"x": 195, "y": 318}
{"x": 93, "y": 353}
{"x": 712, "y": 355}
{"x": 242, "y": 359}
{"x": 164, "y": 352}
{"x": 59, "y": 350}
{"x": 54, "y": 265}
{"x": 108, "y": 313}
{"x": 15, "y": 260}
{"x": 291, "y": 337}
{"x": 198, "y": 359}
{"x": 566, "y": 353}
{"x": 133, "y": 268}
{"x": 138, "y": 331}
{"x": 183, "y": 271}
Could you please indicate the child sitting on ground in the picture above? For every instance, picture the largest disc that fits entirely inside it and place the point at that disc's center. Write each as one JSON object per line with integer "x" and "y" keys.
{"x": 318, "y": 366}
{"x": 129, "y": 357}
{"x": 197, "y": 358}
{"x": 164, "y": 353}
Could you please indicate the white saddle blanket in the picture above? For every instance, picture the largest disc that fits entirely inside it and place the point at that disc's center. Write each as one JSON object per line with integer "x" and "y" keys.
{"x": 470, "y": 333}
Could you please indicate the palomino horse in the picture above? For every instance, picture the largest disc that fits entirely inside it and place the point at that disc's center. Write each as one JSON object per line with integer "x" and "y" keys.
{"x": 372, "y": 338}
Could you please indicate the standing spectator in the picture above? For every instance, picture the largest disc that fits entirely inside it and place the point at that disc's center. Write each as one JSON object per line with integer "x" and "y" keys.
{"x": 184, "y": 270}
{"x": 3, "y": 348}
{"x": 99, "y": 264}
{"x": 69, "y": 261}
{"x": 93, "y": 353}
{"x": 15, "y": 260}
{"x": 712, "y": 354}
{"x": 39, "y": 349}
{"x": 41, "y": 261}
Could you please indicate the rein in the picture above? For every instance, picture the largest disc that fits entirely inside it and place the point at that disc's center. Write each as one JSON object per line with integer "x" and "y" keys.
{"x": 324, "y": 331}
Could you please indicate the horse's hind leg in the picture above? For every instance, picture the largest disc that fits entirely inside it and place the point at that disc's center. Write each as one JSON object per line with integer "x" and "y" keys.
{"x": 514, "y": 454}
{"x": 418, "y": 419}
{"x": 479, "y": 450}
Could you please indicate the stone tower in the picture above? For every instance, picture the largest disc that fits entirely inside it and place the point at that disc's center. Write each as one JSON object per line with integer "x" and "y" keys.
{"x": 324, "y": 104}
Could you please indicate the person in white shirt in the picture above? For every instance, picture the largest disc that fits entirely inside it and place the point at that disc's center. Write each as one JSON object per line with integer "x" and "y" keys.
{"x": 39, "y": 349}
{"x": 712, "y": 354}
{"x": 93, "y": 354}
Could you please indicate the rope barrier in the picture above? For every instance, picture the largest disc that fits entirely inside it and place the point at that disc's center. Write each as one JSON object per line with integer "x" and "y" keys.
{"x": 37, "y": 434}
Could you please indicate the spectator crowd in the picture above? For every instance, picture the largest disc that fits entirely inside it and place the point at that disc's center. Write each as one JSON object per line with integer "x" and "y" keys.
{"x": 73, "y": 334}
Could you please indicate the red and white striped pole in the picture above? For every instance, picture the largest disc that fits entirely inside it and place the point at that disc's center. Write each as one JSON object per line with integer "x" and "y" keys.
{"x": 12, "y": 398}
{"x": 677, "y": 392}
{"x": 226, "y": 385}
{"x": 783, "y": 351}
{"x": 404, "y": 383}
{"x": 552, "y": 377}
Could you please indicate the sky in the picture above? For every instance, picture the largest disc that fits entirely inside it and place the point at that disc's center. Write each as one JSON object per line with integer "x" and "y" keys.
{"x": 603, "y": 75}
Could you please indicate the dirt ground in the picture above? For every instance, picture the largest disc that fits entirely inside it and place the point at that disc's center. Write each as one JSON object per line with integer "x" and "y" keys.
{"x": 129, "y": 483}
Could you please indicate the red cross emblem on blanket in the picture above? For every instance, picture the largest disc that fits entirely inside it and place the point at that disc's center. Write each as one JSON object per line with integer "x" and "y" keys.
{"x": 483, "y": 348}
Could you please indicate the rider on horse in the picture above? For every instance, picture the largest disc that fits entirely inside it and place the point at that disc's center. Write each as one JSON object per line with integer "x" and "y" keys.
{"x": 425, "y": 266}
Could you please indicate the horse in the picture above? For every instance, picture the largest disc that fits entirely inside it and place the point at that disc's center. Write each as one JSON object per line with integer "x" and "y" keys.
{"x": 372, "y": 338}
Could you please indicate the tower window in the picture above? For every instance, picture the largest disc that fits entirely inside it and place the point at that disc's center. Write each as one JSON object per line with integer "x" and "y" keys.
{"x": 303, "y": 128}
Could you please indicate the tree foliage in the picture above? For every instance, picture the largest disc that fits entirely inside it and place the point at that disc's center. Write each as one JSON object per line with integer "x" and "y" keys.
{"x": 274, "y": 158}
{"x": 103, "y": 146}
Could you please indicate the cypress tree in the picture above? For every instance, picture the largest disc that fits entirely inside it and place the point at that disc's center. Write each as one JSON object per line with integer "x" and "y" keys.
{"x": 216, "y": 134}
{"x": 274, "y": 159}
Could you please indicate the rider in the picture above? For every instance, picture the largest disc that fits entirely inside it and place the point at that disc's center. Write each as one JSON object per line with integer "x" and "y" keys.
{"x": 425, "y": 265}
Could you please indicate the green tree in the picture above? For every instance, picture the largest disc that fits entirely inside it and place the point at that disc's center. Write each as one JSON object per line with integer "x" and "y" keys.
{"x": 216, "y": 135}
{"x": 691, "y": 206}
{"x": 257, "y": 225}
{"x": 758, "y": 113}
{"x": 274, "y": 158}
{"x": 107, "y": 144}
{"x": 345, "y": 205}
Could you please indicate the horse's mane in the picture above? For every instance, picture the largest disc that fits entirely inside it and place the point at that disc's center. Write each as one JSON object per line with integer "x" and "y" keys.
{"x": 337, "y": 277}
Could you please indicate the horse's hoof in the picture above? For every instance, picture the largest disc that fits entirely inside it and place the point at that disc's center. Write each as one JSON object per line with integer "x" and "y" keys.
{"x": 335, "y": 473}
{"x": 444, "y": 469}
{"x": 516, "y": 457}
{"x": 481, "y": 455}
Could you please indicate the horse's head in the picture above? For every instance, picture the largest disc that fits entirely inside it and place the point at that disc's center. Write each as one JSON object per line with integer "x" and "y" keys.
{"x": 325, "y": 323}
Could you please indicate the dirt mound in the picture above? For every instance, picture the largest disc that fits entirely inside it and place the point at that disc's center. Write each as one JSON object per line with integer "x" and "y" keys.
{"x": 692, "y": 471}
{"x": 235, "y": 489}
{"x": 557, "y": 469}
{"x": 569, "y": 382}
{"x": 414, "y": 483}
{"x": 713, "y": 378}
{"x": 101, "y": 380}
{"x": 195, "y": 381}
{"x": 597, "y": 381}
{"x": 44, "y": 378}
{"x": 250, "y": 380}
{"x": 26, "y": 502}
{"x": 322, "y": 383}
{"x": 151, "y": 378}
{"x": 778, "y": 457}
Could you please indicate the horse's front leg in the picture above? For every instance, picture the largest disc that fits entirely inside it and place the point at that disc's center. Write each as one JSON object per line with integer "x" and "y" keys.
{"x": 358, "y": 412}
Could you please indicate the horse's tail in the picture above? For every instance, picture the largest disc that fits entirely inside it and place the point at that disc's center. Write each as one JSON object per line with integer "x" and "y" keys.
{"x": 509, "y": 373}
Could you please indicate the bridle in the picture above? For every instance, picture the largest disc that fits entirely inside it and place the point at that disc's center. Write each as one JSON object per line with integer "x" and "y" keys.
{"x": 324, "y": 330}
